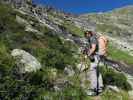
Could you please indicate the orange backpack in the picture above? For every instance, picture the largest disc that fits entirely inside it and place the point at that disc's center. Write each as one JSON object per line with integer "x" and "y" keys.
{"x": 102, "y": 44}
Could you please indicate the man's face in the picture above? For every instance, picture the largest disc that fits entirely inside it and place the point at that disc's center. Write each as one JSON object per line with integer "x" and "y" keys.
{"x": 88, "y": 35}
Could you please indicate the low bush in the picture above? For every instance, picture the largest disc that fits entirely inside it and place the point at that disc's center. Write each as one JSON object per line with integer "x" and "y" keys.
{"x": 110, "y": 77}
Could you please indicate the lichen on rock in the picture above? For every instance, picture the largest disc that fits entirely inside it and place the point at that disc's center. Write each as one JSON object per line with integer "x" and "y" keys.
{"x": 25, "y": 61}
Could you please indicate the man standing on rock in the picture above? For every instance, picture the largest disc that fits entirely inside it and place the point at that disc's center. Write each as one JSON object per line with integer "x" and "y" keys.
{"x": 96, "y": 83}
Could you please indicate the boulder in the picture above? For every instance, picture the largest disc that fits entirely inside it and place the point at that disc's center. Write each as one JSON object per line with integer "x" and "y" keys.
{"x": 25, "y": 61}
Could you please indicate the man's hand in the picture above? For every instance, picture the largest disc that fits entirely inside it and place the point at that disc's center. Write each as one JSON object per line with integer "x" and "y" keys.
{"x": 92, "y": 50}
{"x": 85, "y": 51}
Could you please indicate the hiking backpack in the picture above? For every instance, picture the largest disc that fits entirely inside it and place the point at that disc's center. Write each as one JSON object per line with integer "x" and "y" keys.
{"x": 102, "y": 45}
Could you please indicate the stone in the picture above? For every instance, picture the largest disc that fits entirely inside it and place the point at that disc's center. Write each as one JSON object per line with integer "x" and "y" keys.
{"x": 69, "y": 71}
{"x": 113, "y": 88}
{"x": 21, "y": 20}
{"x": 61, "y": 83}
{"x": 25, "y": 61}
{"x": 30, "y": 29}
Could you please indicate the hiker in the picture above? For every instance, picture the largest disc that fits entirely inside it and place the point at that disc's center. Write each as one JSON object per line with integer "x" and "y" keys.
{"x": 95, "y": 54}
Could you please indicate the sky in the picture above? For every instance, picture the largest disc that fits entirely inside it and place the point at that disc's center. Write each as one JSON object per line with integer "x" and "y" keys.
{"x": 85, "y": 6}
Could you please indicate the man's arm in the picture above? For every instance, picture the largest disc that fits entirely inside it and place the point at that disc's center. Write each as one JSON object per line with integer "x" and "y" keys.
{"x": 92, "y": 50}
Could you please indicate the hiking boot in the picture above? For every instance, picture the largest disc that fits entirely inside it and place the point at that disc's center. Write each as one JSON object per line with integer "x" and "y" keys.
{"x": 100, "y": 90}
{"x": 90, "y": 92}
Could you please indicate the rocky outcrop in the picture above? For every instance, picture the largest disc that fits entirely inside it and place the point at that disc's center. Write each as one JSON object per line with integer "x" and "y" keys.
{"x": 25, "y": 61}
{"x": 18, "y": 3}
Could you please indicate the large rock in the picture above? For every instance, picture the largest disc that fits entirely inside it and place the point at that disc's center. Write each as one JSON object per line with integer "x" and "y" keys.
{"x": 25, "y": 61}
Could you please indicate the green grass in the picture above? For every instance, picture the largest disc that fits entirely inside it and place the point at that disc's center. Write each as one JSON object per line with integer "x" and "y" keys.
{"x": 109, "y": 28}
{"x": 110, "y": 77}
{"x": 73, "y": 29}
{"x": 50, "y": 50}
{"x": 111, "y": 95}
{"x": 119, "y": 55}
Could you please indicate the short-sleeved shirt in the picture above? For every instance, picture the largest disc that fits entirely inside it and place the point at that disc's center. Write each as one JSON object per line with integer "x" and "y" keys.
{"x": 93, "y": 40}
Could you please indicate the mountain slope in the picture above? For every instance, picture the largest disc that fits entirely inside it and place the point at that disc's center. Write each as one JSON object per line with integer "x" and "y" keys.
{"x": 53, "y": 38}
{"x": 53, "y": 53}
{"x": 117, "y": 24}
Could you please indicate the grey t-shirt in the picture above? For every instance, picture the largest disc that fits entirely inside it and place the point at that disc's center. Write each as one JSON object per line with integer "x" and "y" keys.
{"x": 93, "y": 40}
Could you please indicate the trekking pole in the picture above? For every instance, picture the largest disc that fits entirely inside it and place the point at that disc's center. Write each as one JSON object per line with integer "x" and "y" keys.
{"x": 104, "y": 62}
{"x": 100, "y": 59}
{"x": 81, "y": 58}
{"x": 103, "y": 59}
{"x": 97, "y": 72}
{"x": 86, "y": 66}
{"x": 83, "y": 62}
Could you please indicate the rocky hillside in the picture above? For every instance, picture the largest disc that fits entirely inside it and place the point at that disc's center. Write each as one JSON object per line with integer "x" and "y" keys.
{"x": 117, "y": 24}
{"x": 40, "y": 55}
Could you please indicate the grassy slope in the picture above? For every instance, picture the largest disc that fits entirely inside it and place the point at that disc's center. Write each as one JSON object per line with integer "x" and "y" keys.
{"x": 49, "y": 50}
{"x": 106, "y": 25}
{"x": 109, "y": 23}
{"x": 73, "y": 29}
{"x": 119, "y": 55}
{"x": 114, "y": 54}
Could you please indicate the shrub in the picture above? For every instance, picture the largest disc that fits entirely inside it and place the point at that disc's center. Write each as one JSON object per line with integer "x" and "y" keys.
{"x": 8, "y": 20}
{"x": 110, "y": 77}
{"x": 49, "y": 49}
{"x": 72, "y": 28}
